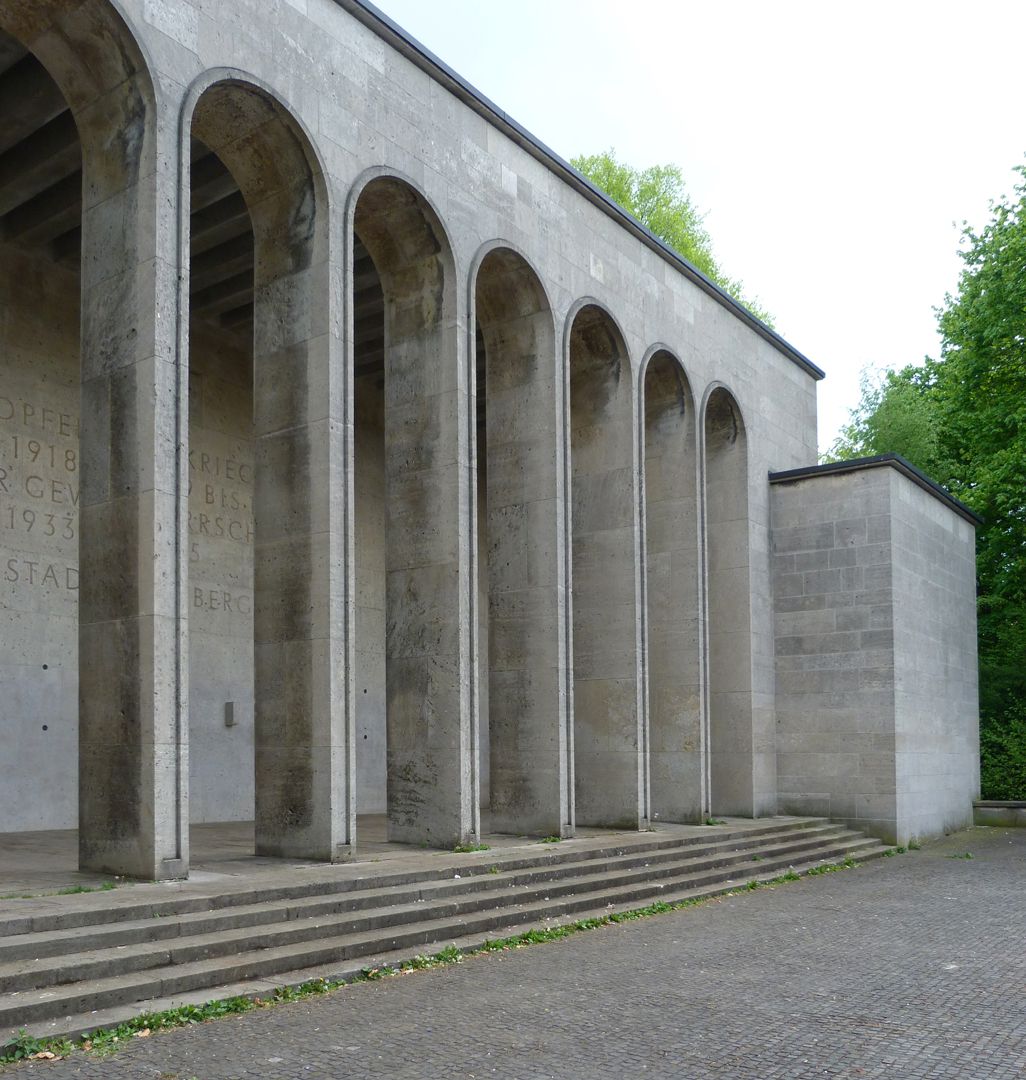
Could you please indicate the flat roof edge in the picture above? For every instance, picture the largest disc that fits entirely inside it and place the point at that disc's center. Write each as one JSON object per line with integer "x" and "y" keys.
{"x": 404, "y": 42}
{"x": 894, "y": 461}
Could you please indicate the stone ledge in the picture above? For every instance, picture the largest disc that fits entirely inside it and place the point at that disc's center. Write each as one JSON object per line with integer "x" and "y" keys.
{"x": 1009, "y": 814}
{"x": 894, "y": 461}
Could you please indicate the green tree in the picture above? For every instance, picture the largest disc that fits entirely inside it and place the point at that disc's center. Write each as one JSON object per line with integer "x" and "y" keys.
{"x": 897, "y": 414}
{"x": 981, "y": 405}
{"x": 962, "y": 418}
{"x": 658, "y": 198}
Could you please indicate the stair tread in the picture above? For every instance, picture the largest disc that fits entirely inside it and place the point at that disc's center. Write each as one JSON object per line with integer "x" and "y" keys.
{"x": 112, "y": 907}
{"x": 433, "y": 929}
{"x": 75, "y": 1023}
{"x": 295, "y": 907}
{"x": 500, "y": 887}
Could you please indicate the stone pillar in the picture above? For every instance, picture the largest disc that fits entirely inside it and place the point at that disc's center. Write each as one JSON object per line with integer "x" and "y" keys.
{"x": 304, "y": 789}
{"x": 527, "y": 672}
{"x": 432, "y": 794}
{"x": 609, "y": 752}
{"x": 132, "y": 744}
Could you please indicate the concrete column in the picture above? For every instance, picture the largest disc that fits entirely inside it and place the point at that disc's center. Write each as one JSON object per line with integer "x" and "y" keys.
{"x": 676, "y": 747}
{"x": 432, "y": 795}
{"x": 527, "y": 670}
{"x": 132, "y": 746}
{"x": 303, "y": 784}
{"x": 728, "y": 561}
{"x": 302, "y": 695}
{"x": 609, "y": 765}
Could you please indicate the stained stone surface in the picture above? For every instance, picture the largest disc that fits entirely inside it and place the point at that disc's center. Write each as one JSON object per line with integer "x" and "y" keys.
{"x": 323, "y": 478}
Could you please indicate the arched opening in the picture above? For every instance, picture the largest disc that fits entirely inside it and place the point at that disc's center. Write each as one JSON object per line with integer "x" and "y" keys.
{"x": 221, "y": 499}
{"x": 676, "y": 743}
{"x": 522, "y": 661}
{"x": 87, "y": 226}
{"x": 609, "y": 753}
{"x": 266, "y": 445}
{"x": 411, "y": 400}
{"x": 729, "y": 604}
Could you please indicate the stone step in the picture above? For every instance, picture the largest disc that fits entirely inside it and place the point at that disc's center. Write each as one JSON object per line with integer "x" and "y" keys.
{"x": 65, "y": 943}
{"x": 131, "y": 949}
{"x": 73, "y": 1025}
{"x": 123, "y": 990}
{"x": 90, "y": 909}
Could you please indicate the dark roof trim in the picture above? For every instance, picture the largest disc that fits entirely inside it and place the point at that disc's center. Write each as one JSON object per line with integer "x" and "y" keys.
{"x": 895, "y": 461}
{"x": 405, "y": 43}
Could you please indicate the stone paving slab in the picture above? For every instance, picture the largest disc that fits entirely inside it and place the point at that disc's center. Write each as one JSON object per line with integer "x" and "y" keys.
{"x": 908, "y": 967}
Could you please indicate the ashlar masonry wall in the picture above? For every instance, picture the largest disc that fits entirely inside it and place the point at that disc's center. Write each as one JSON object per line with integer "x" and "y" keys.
{"x": 936, "y": 676}
{"x": 876, "y": 673}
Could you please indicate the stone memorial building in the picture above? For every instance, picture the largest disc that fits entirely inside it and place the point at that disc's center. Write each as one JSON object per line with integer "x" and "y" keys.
{"x": 357, "y": 456}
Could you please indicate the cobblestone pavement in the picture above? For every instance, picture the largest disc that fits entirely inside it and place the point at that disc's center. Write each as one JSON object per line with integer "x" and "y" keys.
{"x": 910, "y": 967}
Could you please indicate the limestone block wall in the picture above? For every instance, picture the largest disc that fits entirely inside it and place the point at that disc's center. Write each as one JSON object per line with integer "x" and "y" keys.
{"x": 876, "y": 684}
{"x": 936, "y": 676}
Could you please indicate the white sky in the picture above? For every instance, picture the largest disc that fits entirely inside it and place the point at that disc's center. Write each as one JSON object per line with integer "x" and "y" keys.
{"x": 835, "y": 147}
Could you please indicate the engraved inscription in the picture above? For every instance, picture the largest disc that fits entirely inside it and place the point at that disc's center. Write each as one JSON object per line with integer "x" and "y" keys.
{"x": 39, "y": 497}
{"x": 220, "y": 498}
{"x": 220, "y": 531}
{"x": 39, "y": 501}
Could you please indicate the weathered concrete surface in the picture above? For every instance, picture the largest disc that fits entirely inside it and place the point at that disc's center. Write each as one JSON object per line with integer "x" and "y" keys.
{"x": 876, "y": 653}
{"x": 899, "y": 968}
{"x": 132, "y": 748}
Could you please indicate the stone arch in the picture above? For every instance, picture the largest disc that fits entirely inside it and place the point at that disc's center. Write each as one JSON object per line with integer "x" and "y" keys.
{"x": 415, "y": 374}
{"x": 609, "y": 752}
{"x": 119, "y": 240}
{"x": 92, "y": 55}
{"x": 728, "y": 566}
{"x": 283, "y": 314}
{"x": 523, "y": 680}
{"x": 672, "y": 591}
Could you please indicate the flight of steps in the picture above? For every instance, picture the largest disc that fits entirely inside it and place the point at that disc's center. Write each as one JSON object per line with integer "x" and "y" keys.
{"x": 80, "y": 963}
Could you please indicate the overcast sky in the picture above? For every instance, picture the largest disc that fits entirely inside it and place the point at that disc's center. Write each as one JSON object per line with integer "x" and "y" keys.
{"x": 834, "y": 147}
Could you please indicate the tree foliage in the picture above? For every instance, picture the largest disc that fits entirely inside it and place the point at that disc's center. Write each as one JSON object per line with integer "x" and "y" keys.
{"x": 962, "y": 418}
{"x": 895, "y": 414}
{"x": 658, "y": 198}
